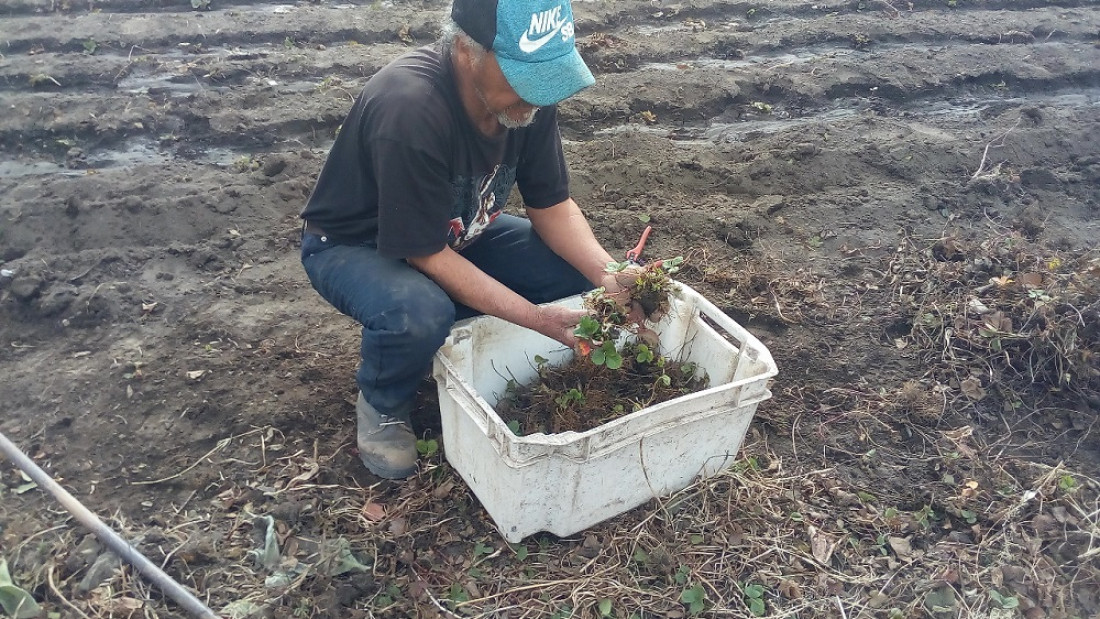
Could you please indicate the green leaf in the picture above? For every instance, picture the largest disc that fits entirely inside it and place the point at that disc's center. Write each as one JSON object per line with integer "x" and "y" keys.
{"x": 613, "y": 360}
{"x": 693, "y": 594}
{"x": 866, "y": 497}
{"x": 16, "y": 602}
{"x": 681, "y": 575}
{"x": 756, "y": 607}
{"x": 457, "y": 594}
{"x": 241, "y": 609}
{"x": 343, "y": 560}
{"x": 541, "y": 361}
{"x": 520, "y": 550}
{"x": 427, "y": 448}
{"x": 665, "y": 380}
{"x": 1004, "y": 601}
{"x": 605, "y": 607}
{"x": 643, "y": 218}
{"x": 696, "y": 539}
{"x": 268, "y": 556}
{"x": 672, "y": 265}
{"x": 695, "y": 597}
{"x": 513, "y": 425}
{"x": 754, "y": 591}
{"x": 587, "y": 327}
{"x": 640, "y": 556}
{"x": 27, "y": 487}
{"x": 482, "y": 549}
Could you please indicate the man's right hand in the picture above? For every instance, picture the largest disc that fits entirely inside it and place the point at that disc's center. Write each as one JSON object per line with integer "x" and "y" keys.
{"x": 557, "y": 322}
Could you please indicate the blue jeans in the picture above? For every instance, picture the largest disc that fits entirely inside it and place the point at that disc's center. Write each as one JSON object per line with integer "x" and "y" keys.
{"x": 406, "y": 316}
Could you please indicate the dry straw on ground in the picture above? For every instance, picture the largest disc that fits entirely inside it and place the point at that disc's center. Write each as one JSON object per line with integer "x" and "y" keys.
{"x": 850, "y": 500}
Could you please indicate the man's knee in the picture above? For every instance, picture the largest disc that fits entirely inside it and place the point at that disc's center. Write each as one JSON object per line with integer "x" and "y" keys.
{"x": 432, "y": 316}
{"x": 420, "y": 312}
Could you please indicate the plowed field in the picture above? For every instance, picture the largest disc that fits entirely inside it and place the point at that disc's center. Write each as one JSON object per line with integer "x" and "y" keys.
{"x": 845, "y": 179}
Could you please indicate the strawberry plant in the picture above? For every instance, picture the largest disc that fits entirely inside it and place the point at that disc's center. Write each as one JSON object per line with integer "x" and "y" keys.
{"x": 618, "y": 369}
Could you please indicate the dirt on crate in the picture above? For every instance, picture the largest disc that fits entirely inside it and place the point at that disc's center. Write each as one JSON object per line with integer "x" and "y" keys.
{"x": 899, "y": 199}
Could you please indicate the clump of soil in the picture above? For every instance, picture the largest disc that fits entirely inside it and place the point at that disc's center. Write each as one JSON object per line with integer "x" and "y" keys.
{"x": 650, "y": 288}
{"x": 581, "y": 395}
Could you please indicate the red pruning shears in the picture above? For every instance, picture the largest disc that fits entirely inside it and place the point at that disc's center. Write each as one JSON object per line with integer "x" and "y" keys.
{"x": 634, "y": 256}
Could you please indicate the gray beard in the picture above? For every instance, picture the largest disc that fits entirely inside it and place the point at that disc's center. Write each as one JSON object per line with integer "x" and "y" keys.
{"x": 503, "y": 118}
{"x": 508, "y": 123}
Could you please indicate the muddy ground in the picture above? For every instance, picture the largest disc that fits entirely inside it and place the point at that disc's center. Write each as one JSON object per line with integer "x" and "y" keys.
{"x": 834, "y": 173}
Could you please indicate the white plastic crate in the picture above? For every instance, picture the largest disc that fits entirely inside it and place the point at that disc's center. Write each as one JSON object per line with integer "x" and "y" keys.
{"x": 564, "y": 483}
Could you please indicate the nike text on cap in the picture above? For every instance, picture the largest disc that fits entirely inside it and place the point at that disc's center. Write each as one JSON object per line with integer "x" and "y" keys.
{"x": 533, "y": 42}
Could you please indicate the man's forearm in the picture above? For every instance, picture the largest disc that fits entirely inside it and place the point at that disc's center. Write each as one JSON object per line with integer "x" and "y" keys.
{"x": 565, "y": 230}
{"x": 471, "y": 286}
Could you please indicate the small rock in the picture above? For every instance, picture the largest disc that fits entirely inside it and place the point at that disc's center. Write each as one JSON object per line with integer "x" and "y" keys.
{"x": 1038, "y": 177}
{"x": 84, "y": 554}
{"x": 132, "y": 203}
{"x": 101, "y": 571}
{"x": 770, "y": 204}
{"x": 56, "y": 300}
{"x": 1017, "y": 36}
{"x": 274, "y": 166}
{"x": 27, "y": 287}
{"x": 75, "y": 158}
{"x": 804, "y": 150}
{"x": 72, "y": 206}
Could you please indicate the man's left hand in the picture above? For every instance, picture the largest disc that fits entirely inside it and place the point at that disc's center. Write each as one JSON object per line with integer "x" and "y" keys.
{"x": 618, "y": 286}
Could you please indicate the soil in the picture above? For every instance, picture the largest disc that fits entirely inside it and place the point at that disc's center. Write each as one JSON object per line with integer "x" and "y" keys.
{"x": 164, "y": 357}
{"x": 580, "y": 395}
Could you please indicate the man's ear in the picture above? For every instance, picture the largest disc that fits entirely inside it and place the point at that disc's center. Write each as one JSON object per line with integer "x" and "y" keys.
{"x": 465, "y": 54}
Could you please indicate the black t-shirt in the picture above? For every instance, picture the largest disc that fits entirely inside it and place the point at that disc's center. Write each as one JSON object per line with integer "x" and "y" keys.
{"x": 410, "y": 172}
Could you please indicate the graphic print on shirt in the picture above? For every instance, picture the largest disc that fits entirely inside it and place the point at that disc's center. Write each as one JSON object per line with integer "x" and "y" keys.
{"x": 477, "y": 202}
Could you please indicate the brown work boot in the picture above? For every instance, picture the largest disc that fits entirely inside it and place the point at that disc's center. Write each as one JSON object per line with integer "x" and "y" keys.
{"x": 387, "y": 445}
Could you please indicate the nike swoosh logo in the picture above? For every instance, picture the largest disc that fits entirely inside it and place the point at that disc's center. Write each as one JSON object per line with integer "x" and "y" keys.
{"x": 529, "y": 47}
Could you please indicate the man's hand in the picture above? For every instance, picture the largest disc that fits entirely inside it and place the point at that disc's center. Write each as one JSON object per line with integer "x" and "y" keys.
{"x": 617, "y": 285}
{"x": 557, "y": 322}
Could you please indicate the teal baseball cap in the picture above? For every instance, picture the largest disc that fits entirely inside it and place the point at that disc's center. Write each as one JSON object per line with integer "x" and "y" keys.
{"x": 534, "y": 45}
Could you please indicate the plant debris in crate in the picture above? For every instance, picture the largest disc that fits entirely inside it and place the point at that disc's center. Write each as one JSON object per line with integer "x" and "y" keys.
{"x": 618, "y": 369}
{"x": 581, "y": 395}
